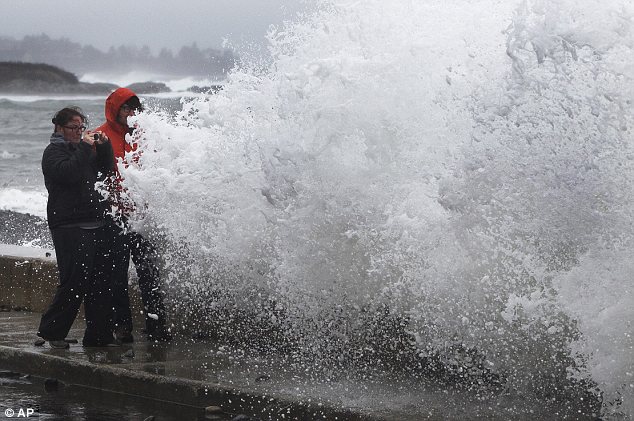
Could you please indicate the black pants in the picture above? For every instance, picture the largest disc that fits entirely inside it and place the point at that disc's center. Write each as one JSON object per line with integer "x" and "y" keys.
{"x": 145, "y": 258}
{"x": 85, "y": 271}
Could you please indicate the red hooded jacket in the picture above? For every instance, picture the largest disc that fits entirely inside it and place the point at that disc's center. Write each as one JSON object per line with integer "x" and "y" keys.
{"x": 116, "y": 132}
{"x": 112, "y": 128}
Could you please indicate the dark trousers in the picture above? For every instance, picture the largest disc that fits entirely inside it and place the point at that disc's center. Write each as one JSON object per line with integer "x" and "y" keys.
{"x": 144, "y": 256}
{"x": 85, "y": 271}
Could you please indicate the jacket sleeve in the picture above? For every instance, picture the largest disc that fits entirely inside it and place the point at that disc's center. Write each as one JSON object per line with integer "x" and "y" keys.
{"x": 63, "y": 166}
{"x": 105, "y": 158}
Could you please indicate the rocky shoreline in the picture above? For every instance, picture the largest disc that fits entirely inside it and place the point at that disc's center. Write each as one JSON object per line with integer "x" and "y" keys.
{"x": 24, "y": 229}
{"x": 38, "y": 78}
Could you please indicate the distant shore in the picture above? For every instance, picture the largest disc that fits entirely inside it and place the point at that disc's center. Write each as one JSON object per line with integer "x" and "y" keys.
{"x": 44, "y": 79}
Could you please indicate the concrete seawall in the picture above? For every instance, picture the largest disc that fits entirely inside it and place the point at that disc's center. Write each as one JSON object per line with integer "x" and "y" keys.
{"x": 28, "y": 277}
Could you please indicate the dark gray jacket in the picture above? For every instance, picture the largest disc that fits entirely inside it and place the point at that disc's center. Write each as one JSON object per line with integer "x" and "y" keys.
{"x": 70, "y": 173}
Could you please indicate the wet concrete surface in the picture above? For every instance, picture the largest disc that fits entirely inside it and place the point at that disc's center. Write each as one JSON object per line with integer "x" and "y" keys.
{"x": 186, "y": 373}
{"x": 34, "y": 397}
{"x": 177, "y": 380}
{"x": 201, "y": 373}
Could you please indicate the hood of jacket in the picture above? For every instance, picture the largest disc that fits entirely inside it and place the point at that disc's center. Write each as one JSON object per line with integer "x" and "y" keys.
{"x": 116, "y": 99}
{"x": 57, "y": 138}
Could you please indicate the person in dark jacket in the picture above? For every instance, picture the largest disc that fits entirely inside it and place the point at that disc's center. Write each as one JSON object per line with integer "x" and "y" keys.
{"x": 121, "y": 104}
{"x": 72, "y": 163}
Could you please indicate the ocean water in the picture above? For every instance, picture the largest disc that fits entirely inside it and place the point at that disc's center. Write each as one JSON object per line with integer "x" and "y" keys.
{"x": 24, "y": 129}
{"x": 438, "y": 190}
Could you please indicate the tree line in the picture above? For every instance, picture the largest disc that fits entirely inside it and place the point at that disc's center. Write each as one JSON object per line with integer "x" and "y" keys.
{"x": 77, "y": 58}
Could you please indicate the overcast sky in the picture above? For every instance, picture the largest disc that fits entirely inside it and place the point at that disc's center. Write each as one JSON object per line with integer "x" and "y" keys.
{"x": 155, "y": 23}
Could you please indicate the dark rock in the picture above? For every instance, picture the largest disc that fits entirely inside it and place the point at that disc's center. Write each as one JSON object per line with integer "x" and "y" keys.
{"x": 129, "y": 353}
{"x": 71, "y": 341}
{"x": 149, "y": 87}
{"x": 150, "y": 418}
{"x": 35, "y": 72}
{"x": 17, "y": 228}
{"x": 263, "y": 378}
{"x": 18, "y": 77}
{"x": 51, "y": 384}
{"x": 39, "y": 342}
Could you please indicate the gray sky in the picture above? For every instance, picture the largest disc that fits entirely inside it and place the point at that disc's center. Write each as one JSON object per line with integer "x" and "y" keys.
{"x": 156, "y": 23}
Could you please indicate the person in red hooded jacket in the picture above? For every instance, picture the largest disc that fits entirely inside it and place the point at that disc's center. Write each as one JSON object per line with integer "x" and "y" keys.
{"x": 121, "y": 104}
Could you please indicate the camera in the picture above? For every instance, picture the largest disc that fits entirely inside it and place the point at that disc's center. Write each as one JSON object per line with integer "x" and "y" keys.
{"x": 96, "y": 136}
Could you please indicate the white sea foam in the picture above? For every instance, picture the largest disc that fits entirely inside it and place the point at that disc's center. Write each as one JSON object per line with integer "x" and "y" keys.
{"x": 179, "y": 85}
{"x": 183, "y": 84}
{"x": 466, "y": 164}
{"x": 9, "y": 155}
{"x": 24, "y": 201}
{"x": 118, "y": 79}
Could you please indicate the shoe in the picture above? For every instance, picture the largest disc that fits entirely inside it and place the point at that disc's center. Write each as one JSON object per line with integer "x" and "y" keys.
{"x": 107, "y": 343}
{"x": 62, "y": 344}
{"x": 124, "y": 336}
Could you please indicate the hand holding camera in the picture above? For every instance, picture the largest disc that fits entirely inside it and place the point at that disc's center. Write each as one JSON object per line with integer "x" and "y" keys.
{"x": 98, "y": 137}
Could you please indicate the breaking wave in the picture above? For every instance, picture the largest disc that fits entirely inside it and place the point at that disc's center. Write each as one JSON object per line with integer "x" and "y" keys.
{"x": 399, "y": 185}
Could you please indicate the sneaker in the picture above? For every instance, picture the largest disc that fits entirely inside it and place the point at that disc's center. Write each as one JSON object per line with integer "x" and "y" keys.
{"x": 62, "y": 344}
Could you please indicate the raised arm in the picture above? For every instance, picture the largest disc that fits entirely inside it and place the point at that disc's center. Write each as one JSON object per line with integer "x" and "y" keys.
{"x": 64, "y": 166}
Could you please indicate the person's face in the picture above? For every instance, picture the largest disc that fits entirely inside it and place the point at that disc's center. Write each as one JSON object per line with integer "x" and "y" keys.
{"x": 73, "y": 130}
{"x": 124, "y": 112}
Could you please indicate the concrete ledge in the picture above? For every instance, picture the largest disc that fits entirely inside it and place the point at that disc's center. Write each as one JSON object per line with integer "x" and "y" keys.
{"x": 28, "y": 276}
{"x": 27, "y": 252}
{"x": 167, "y": 389}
